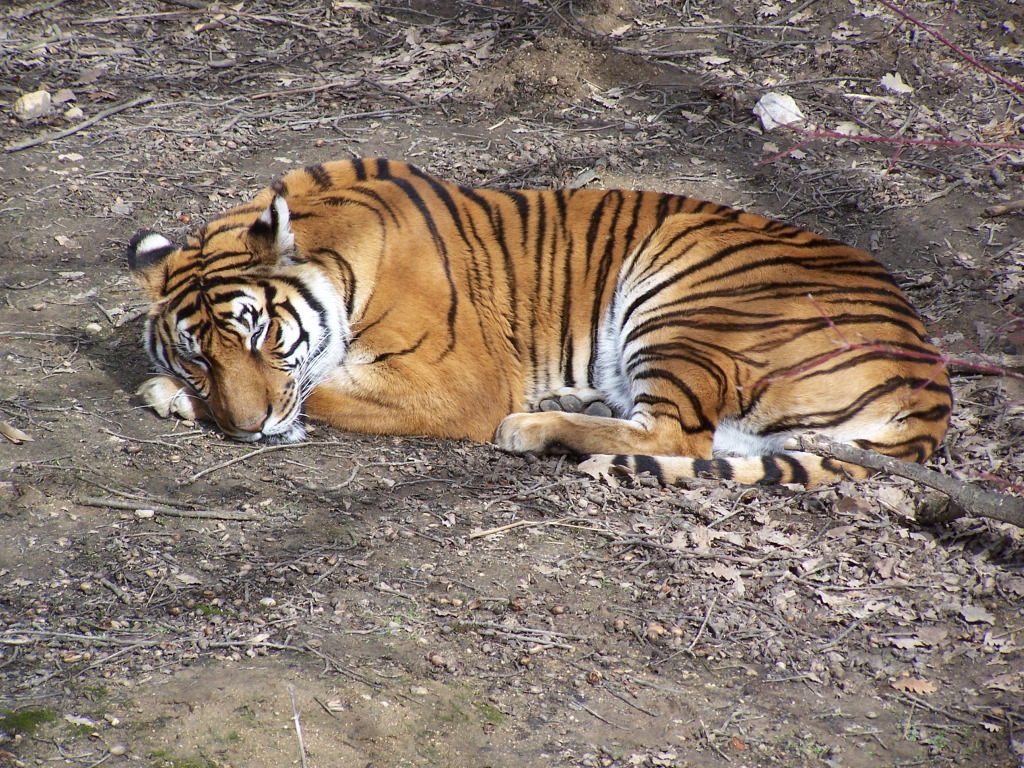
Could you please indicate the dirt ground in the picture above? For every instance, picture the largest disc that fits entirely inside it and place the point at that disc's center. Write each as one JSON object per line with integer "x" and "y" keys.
{"x": 172, "y": 599}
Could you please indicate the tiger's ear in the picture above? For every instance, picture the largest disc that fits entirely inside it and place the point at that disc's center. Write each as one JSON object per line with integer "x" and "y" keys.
{"x": 147, "y": 256}
{"x": 271, "y": 236}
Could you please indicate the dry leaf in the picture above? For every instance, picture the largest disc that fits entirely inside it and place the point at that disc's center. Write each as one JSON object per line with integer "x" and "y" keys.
{"x": 701, "y": 538}
{"x": 1008, "y": 681}
{"x": 914, "y": 685}
{"x": 599, "y": 467}
{"x": 79, "y": 720}
{"x": 974, "y": 615}
{"x": 680, "y": 542}
{"x": 724, "y": 572}
{"x": 893, "y": 82}
{"x": 14, "y": 434}
{"x": 905, "y": 643}
{"x": 66, "y": 242}
{"x": 931, "y": 636}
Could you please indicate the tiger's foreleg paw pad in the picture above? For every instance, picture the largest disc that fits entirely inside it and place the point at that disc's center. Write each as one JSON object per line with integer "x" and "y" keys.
{"x": 171, "y": 397}
{"x": 588, "y": 401}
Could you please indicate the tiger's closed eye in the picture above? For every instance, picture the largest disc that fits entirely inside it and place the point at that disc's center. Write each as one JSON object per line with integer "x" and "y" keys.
{"x": 258, "y": 336}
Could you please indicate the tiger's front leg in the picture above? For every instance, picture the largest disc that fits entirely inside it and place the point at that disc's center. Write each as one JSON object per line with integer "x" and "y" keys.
{"x": 556, "y": 432}
{"x": 169, "y": 396}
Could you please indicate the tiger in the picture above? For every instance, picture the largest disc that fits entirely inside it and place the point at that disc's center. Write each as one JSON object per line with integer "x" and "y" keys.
{"x": 651, "y": 332}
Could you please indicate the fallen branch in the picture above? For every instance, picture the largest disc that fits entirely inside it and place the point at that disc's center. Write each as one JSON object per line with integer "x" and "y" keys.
{"x": 76, "y": 128}
{"x": 966, "y": 498}
{"x": 1003, "y": 209}
{"x": 160, "y": 509}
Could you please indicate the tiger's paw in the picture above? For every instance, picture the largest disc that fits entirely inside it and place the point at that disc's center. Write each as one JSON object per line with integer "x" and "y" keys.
{"x": 170, "y": 397}
{"x": 540, "y": 433}
{"x": 571, "y": 400}
{"x": 518, "y": 433}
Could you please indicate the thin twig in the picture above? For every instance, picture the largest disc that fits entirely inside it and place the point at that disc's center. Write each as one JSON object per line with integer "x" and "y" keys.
{"x": 703, "y": 624}
{"x": 298, "y": 724}
{"x": 253, "y": 454}
{"x": 76, "y": 128}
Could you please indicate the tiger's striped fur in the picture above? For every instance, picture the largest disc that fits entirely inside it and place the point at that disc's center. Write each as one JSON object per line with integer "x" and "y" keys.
{"x": 372, "y": 296}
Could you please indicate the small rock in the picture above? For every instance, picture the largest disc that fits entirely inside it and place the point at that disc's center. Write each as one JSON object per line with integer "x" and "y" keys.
{"x": 120, "y": 208}
{"x": 118, "y": 749}
{"x": 93, "y": 329}
{"x": 75, "y": 113}
{"x": 64, "y": 95}
{"x": 32, "y": 105}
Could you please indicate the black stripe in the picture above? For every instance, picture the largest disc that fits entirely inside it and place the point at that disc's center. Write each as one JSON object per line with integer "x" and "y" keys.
{"x": 424, "y": 209}
{"x": 771, "y": 469}
{"x": 320, "y": 176}
{"x": 797, "y": 470}
{"x": 360, "y": 169}
{"x": 650, "y": 465}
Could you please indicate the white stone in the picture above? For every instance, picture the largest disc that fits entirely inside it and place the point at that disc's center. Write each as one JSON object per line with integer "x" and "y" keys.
{"x": 32, "y": 105}
{"x": 75, "y": 113}
{"x": 777, "y": 109}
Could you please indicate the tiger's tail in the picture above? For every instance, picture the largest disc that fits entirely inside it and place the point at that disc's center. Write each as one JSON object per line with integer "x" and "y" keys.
{"x": 807, "y": 469}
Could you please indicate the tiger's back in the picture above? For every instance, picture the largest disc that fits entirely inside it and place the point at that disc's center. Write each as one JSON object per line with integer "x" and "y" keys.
{"x": 458, "y": 312}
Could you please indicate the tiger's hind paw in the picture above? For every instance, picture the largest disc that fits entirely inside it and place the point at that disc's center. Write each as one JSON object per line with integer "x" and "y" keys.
{"x": 569, "y": 400}
{"x": 170, "y": 397}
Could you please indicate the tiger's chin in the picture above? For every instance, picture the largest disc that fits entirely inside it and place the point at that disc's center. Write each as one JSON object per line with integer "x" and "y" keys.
{"x": 295, "y": 432}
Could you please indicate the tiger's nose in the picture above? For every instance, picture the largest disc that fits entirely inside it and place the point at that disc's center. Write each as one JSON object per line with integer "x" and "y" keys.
{"x": 257, "y": 424}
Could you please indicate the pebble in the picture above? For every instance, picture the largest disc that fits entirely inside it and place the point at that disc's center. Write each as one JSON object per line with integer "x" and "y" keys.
{"x": 75, "y": 113}
{"x": 32, "y": 105}
{"x": 93, "y": 329}
{"x": 118, "y": 749}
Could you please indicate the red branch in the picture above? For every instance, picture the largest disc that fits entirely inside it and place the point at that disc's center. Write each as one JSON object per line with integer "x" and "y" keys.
{"x": 941, "y": 361}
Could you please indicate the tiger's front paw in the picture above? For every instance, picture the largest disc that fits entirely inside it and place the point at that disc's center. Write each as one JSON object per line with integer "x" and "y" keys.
{"x": 170, "y": 397}
{"x": 533, "y": 433}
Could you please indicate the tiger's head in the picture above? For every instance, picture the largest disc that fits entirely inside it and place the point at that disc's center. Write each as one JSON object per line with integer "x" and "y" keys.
{"x": 242, "y": 318}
